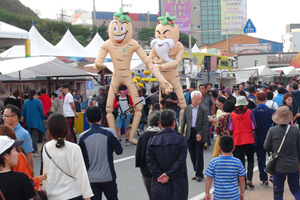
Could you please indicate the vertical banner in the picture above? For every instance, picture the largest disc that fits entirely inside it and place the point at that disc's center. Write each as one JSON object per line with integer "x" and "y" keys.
{"x": 180, "y": 9}
{"x": 233, "y": 16}
{"x": 213, "y": 63}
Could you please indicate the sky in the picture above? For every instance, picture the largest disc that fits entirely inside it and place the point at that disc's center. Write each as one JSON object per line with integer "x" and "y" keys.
{"x": 269, "y": 16}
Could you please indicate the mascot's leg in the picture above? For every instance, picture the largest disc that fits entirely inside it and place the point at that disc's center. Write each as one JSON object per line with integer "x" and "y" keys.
{"x": 138, "y": 108}
{"x": 178, "y": 90}
{"x": 109, "y": 105}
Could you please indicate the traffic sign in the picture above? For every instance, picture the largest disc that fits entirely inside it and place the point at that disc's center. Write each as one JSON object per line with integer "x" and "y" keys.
{"x": 89, "y": 87}
{"x": 249, "y": 27}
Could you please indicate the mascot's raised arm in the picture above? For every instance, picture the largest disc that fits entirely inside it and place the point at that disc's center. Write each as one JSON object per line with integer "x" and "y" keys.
{"x": 167, "y": 53}
{"x": 121, "y": 46}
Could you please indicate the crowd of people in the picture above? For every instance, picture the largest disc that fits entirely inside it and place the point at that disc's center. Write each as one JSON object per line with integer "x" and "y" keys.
{"x": 245, "y": 120}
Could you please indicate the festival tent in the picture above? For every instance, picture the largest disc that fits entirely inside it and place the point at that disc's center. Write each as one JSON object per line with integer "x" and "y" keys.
{"x": 81, "y": 21}
{"x": 39, "y": 47}
{"x": 74, "y": 51}
{"x": 195, "y": 49}
{"x": 38, "y": 67}
{"x": 287, "y": 71}
{"x": 94, "y": 46}
{"x": 261, "y": 71}
{"x": 11, "y": 35}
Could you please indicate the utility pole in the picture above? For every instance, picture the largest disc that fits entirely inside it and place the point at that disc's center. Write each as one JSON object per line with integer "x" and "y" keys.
{"x": 62, "y": 15}
{"x": 94, "y": 13}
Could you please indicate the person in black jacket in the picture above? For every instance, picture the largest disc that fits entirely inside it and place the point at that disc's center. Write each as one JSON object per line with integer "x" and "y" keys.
{"x": 154, "y": 127}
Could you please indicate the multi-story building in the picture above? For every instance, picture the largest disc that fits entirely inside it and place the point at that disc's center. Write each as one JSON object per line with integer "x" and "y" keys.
{"x": 205, "y": 15}
{"x": 291, "y": 41}
{"x": 289, "y": 27}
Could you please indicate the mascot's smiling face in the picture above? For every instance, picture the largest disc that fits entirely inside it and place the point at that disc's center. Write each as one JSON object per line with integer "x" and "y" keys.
{"x": 120, "y": 32}
{"x": 166, "y": 31}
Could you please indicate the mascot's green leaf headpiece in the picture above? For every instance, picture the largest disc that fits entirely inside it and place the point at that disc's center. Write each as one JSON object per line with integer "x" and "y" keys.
{"x": 167, "y": 19}
{"x": 122, "y": 15}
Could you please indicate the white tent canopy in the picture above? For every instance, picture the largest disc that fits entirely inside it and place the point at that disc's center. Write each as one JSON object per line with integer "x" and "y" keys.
{"x": 39, "y": 47}
{"x": 195, "y": 49}
{"x": 94, "y": 46}
{"x": 245, "y": 74}
{"x": 36, "y": 67}
{"x": 81, "y": 21}
{"x": 72, "y": 47}
{"x": 11, "y": 35}
{"x": 288, "y": 71}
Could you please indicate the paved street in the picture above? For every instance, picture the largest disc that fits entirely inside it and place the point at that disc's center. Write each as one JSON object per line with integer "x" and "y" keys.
{"x": 129, "y": 178}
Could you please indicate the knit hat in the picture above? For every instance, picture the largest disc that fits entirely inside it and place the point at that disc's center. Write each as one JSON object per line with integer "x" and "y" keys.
{"x": 283, "y": 115}
{"x": 6, "y": 143}
{"x": 241, "y": 101}
{"x": 227, "y": 90}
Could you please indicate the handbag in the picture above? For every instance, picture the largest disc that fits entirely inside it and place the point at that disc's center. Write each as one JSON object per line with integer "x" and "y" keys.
{"x": 56, "y": 164}
{"x": 270, "y": 166}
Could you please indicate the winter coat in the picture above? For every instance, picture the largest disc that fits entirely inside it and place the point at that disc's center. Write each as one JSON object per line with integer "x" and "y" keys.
{"x": 166, "y": 153}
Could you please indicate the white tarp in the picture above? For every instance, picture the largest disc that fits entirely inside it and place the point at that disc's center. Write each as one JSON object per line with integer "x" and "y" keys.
{"x": 39, "y": 47}
{"x": 81, "y": 21}
{"x": 38, "y": 67}
{"x": 11, "y": 35}
{"x": 245, "y": 74}
{"x": 72, "y": 47}
{"x": 94, "y": 46}
{"x": 195, "y": 49}
{"x": 288, "y": 71}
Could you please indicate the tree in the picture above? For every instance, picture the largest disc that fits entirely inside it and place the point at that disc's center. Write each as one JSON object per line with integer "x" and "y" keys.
{"x": 146, "y": 34}
{"x": 102, "y": 31}
{"x": 81, "y": 40}
{"x": 57, "y": 39}
{"x": 184, "y": 39}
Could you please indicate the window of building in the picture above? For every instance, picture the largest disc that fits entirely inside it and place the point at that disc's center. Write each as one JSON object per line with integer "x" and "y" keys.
{"x": 197, "y": 27}
{"x": 197, "y": 8}
{"x": 136, "y": 29}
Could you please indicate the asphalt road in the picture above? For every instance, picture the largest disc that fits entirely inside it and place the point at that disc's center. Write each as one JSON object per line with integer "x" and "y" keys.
{"x": 129, "y": 178}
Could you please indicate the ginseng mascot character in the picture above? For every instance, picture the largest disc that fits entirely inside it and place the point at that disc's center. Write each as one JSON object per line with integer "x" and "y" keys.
{"x": 167, "y": 53}
{"x": 121, "y": 46}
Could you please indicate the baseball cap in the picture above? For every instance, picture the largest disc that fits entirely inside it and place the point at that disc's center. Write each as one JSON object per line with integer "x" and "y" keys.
{"x": 65, "y": 85}
{"x": 6, "y": 143}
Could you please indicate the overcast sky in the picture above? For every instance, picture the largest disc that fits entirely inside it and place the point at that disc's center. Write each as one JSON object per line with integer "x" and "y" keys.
{"x": 269, "y": 16}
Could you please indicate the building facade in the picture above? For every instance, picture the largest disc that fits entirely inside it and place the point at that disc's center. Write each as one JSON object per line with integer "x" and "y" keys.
{"x": 291, "y": 41}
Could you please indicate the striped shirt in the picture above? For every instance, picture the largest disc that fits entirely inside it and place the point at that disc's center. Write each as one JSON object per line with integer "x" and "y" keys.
{"x": 225, "y": 170}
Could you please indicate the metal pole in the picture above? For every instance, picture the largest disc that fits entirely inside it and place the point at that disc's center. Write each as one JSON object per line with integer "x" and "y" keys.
{"x": 20, "y": 85}
{"x": 148, "y": 18}
{"x": 94, "y": 8}
{"x": 227, "y": 42}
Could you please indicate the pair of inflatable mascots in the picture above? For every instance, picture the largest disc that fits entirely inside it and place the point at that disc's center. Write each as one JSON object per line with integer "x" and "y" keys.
{"x": 165, "y": 56}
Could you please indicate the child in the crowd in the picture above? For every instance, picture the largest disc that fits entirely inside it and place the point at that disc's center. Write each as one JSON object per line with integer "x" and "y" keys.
{"x": 224, "y": 170}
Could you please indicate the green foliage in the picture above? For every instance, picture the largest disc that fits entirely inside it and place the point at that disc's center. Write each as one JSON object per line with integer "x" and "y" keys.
{"x": 49, "y": 29}
{"x": 146, "y": 34}
{"x": 15, "y": 6}
{"x": 57, "y": 39}
{"x": 81, "y": 40}
{"x": 102, "y": 31}
{"x": 184, "y": 39}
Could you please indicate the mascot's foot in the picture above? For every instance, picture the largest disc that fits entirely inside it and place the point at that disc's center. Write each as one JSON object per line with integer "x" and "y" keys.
{"x": 132, "y": 141}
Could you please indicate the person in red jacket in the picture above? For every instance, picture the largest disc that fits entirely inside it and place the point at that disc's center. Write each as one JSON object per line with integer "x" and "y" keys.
{"x": 46, "y": 102}
{"x": 242, "y": 123}
{"x": 124, "y": 103}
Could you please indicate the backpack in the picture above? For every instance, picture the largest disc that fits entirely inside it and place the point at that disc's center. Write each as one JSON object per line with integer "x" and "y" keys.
{"x": 127, "y": 98}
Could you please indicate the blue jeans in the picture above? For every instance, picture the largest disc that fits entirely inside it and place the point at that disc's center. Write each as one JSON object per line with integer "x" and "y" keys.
{"x": 293, "y": 181}
{"x": 123, "y": 119}
{"x": 208, "y": 140}
{"x": 108, "y": 188}
{"x": 261, "y": 158}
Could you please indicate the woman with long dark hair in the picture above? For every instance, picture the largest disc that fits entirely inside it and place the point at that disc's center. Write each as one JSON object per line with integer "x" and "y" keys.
{"x": 63, "y": 164}
{"x": 34, "y": 116}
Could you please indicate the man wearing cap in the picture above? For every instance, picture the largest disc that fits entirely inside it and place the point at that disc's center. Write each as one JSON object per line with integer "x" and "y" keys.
{"x": 228, "y": 95}
{"x": 263, "y": 117}
{"x": 13, "y": 185}
{"x": 69, "y": 109}
{"x": 101, "y": 98}
{"x": 11, "y": 117}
